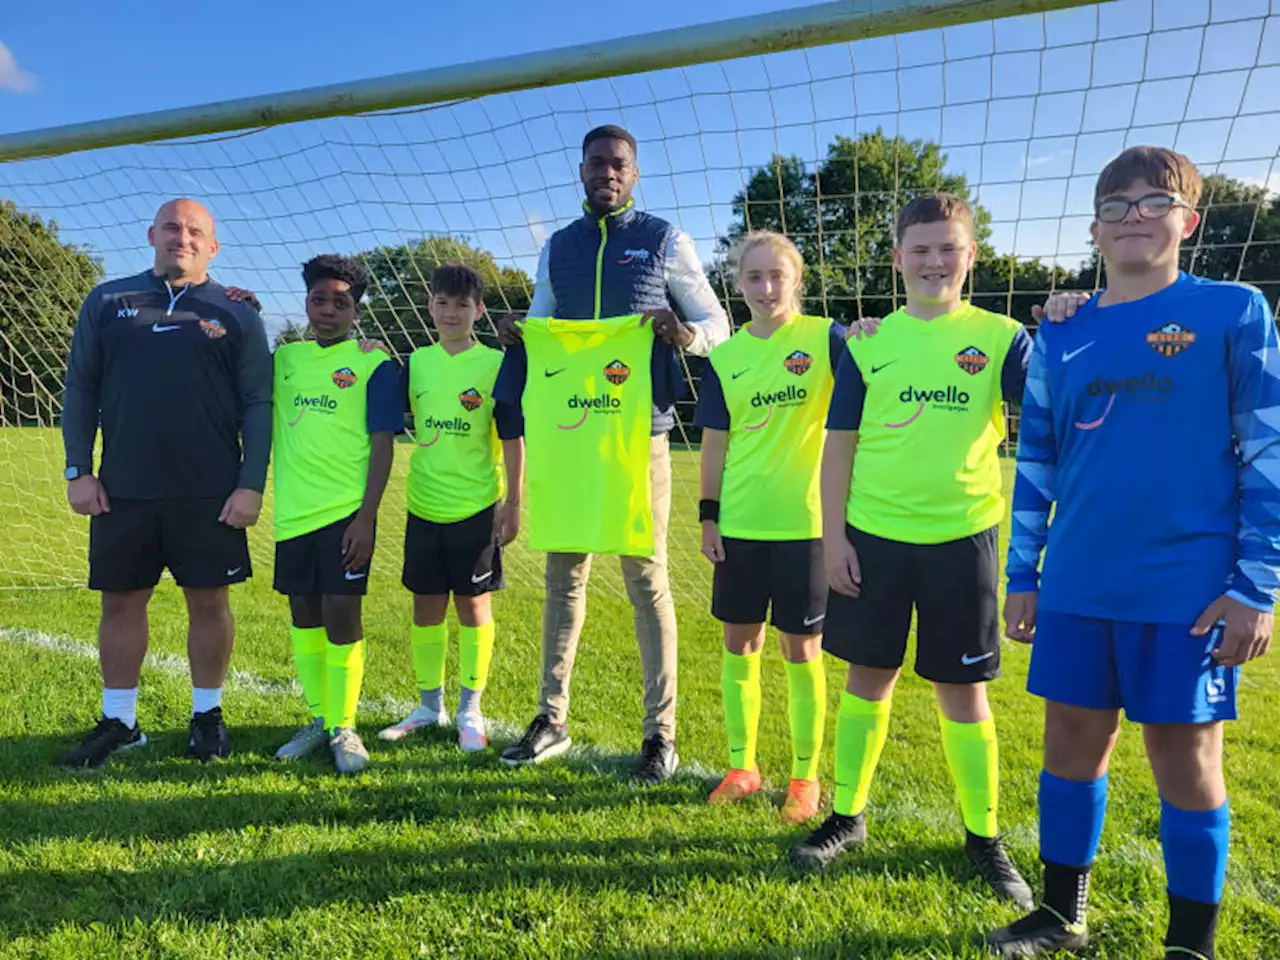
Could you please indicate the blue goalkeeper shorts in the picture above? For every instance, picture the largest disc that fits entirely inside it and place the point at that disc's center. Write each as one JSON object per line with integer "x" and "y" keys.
{"x": 1156, "y": 672}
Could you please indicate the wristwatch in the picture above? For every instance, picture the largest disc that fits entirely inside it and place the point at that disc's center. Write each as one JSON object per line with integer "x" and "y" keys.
{"x": 75, "y": 473}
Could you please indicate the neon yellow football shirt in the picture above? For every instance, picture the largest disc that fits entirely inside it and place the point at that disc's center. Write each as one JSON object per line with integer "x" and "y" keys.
{"x": 776, "y": 391}
{"x": 927, "y": 467}
{"x": 320, "y": 446}
{"x": 588, "y": 397}
{"x": 455, "y": 470}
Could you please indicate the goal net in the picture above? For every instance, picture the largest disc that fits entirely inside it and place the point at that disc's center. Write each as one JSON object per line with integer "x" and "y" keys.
{"x": 824, "y": 143}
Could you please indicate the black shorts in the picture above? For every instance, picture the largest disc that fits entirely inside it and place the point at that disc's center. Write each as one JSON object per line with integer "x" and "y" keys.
{"x": 785, "y": 574}
{"x": 459, "y": 558}
{"x": 137, "y": 539}
{"x": 952, "y": 587}
{"x": 311, "y": 565}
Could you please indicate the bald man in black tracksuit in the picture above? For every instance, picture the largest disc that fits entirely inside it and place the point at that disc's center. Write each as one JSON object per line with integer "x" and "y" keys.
{"x": 178, "y": 379}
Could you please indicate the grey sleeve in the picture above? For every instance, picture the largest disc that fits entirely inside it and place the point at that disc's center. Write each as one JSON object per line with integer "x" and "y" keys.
{"x": 689, "y": 288}
{"x": 543, "y": 303}
{"x": 83, "y": 389}
{"x": 255, "y": 401}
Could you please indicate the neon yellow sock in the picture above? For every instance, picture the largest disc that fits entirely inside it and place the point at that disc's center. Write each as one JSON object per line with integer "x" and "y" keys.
{"x": 807, "y": 711}
{"x": 740, "y": 688}
{"x": 475, "y": 653}
{"x": 973, "y": 758}
{"x": 308, "y": 657}
{"x": 430, "y": 644}
{"x": 345, "y": 667}
{"x": 861, "y": 730}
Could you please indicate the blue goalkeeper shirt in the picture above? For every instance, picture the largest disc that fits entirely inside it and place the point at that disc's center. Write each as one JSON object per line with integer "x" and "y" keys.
{"x": 1154, "y": 428}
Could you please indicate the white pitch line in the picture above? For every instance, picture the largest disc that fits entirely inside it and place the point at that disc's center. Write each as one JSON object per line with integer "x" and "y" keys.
{"x": 598, "y": 757}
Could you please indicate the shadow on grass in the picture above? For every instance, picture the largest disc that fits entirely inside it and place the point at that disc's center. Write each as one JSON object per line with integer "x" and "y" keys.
{"x": 421, "y": 780}
{"x": 522, "y": 880}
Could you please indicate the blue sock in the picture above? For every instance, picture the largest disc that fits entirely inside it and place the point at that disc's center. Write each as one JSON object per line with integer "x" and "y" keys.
{"x": 1071, "y": 816}
{"x": 1195, "y": 850}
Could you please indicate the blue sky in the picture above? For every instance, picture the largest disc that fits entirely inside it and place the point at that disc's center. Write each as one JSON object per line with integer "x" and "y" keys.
{"x": 1028, "y": 109}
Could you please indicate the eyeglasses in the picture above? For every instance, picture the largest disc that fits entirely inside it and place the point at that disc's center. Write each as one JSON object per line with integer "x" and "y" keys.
{"x": 1154, "y": 206}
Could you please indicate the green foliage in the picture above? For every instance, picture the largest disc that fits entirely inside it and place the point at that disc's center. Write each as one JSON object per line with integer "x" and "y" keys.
{"x": 842, "y": 216}
{"x": 398, "y": 296}
{"x": 43, "y": 281}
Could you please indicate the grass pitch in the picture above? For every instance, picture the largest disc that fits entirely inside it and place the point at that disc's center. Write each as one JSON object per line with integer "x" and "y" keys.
{"x": 433, "y": 854}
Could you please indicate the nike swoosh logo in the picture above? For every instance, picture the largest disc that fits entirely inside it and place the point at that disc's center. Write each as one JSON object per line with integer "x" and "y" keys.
{"x": 737, "y": 375}
{"x": 969, "y": 661}
{"x": 810, "y": 621}
{"x": 348, "y": 575}
{"x": 552, "y": 373}
{"x": 158, "y": 329}
{"x": 877, "y": 369}
{"x": 233, "y": 571}
{"x": 1068, "y": 356}
{"x": 482, "y": 578}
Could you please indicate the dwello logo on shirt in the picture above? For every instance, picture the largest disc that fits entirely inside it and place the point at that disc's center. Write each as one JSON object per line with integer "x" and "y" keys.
{"x": 437, "y": 427}
{"x": 324, "y": 404}
{"x": 580, "y": 406}
{"x": 949, "y": 398}
{"x": 790, "y": 396}
{"x": 1149, "y": 386}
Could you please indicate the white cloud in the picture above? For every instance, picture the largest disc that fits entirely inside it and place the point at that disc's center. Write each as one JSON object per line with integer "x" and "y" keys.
{"x": 12, "y": 77}
{"x": 538, "y": 230}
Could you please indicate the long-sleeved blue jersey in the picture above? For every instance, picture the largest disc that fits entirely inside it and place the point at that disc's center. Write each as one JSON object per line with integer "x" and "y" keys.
{"x": 1154, "y": 426}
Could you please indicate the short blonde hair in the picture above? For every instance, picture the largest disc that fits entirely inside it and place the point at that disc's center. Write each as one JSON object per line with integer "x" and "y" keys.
{"x": 780, "y": 245}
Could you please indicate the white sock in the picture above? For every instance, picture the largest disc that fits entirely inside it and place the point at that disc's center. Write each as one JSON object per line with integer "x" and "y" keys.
{"x": 204, "y": 699}
{"x": 469, "y": 702}
{"x": 121, "y": 705}
{"x": 432, "y": 700}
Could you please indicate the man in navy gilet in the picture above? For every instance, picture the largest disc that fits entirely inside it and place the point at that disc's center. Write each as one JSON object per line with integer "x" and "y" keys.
{"x": 646, "y": 266}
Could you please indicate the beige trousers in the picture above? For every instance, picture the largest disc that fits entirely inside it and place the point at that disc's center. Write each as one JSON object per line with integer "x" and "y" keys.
{"x": 565, "y": 609}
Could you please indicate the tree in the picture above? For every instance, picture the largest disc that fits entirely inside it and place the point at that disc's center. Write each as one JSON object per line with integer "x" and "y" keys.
{"x": 43, "y": 281}
{"x": 842, "y": 217}
{"x": 399, "y": 292}
{"x": 1238, "y": 237}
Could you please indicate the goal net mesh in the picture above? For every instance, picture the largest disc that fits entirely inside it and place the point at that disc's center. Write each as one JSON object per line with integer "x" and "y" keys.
{"x": 825, "y": 144}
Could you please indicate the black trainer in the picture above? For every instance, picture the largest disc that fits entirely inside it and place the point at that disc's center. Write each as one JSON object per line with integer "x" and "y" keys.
{"x": 988, "y": 856}
{"x": 105, "y": 739}
{"x": 1040, "y": 932}
{"x": 208, "y": 736}
{"x": 658, "y": 761}
{"x": 837, "y": 834}
{"x": 542, "y": 741}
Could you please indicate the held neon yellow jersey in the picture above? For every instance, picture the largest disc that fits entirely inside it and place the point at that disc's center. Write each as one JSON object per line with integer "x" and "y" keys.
{"x": 455, "y": 470}
{"x": 772, "y": 395}
{"x": 322, "y": 415}
{"x": 926, "y": 400}
{"x": 587, "y": 388}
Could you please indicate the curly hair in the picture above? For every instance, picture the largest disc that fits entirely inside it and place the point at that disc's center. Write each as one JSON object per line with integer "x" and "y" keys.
{"x": 333, "y": 266}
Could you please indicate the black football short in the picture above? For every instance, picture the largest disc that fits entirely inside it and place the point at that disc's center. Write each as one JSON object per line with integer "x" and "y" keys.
{"x": 952, "y": 588}
{"x": 131, "y": 545}
{"x": 785, "y": 575}
{"x": 460, "y": 558}
{"x": 311, "y": 565}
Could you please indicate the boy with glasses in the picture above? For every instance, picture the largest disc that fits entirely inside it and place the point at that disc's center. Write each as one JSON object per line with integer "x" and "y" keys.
{"x": 1149, "y": 426}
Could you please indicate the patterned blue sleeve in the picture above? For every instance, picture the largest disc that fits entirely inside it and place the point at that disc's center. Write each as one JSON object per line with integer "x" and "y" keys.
{"x": 1035, "y": 483}
{"x": 1254, "y": 357}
